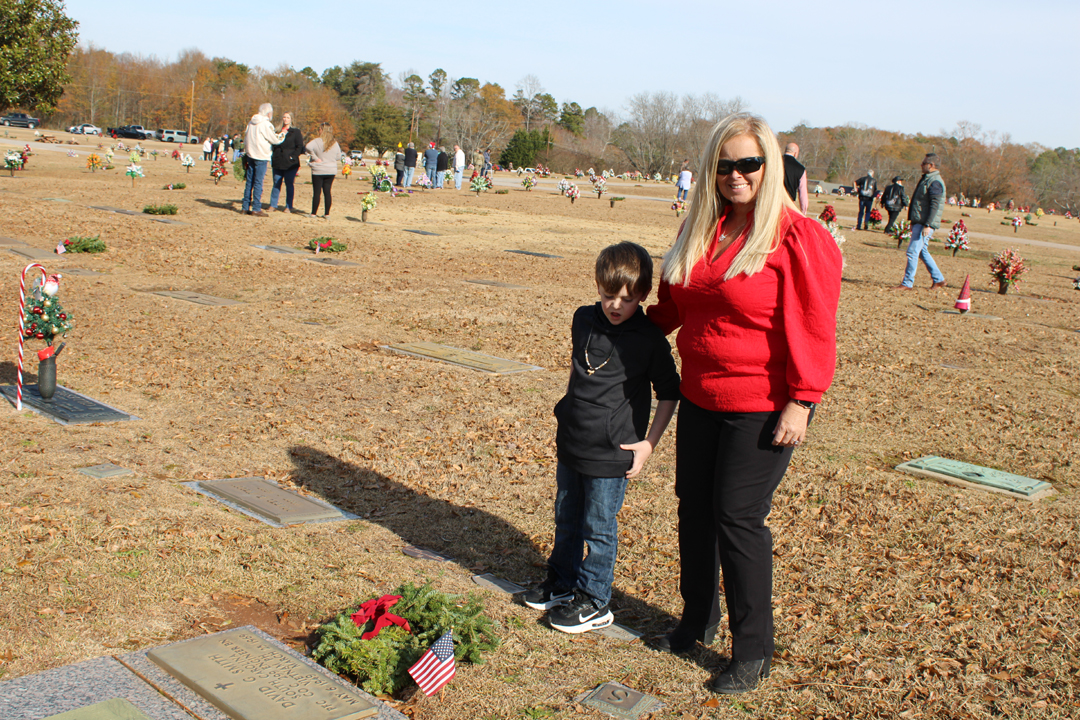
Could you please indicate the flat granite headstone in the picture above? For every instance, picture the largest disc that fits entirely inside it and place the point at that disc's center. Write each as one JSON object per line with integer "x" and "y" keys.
{"x": 56, "y": 199}
{"x": 424, "y": 554}
{"x": 422, "y": 232}
{"x": 977, "y": 477}
{"x": 282, "y": 249}
{"x": 270, "y": 501}
{"x": 249, "y": 678}
{"x": 491, "y": 582}
{"x": 197, "y": 298}
{"x": 67, "y": 407}
{"x": 84, "y": 686}
{"x": 970, "y": 314}
{"x": 616, "y": 699}
{"x": 106, "y": 470}
{"x": 535, "y": 254}
{"x": 6, "y": 241}
{"x": 79, "y": 271}
{"x": 115, "y": 709}
{"x": 463, "y": 358}
{"x": 333, "y": 261}
{"x": 620, "y": 632}
{"x": 32, "y": 253}
{"x": 494, "y": 283}
{"x": 121, "y": 211}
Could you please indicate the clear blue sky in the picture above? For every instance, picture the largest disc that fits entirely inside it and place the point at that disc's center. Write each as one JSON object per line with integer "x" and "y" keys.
{"x": 904, "y": 65}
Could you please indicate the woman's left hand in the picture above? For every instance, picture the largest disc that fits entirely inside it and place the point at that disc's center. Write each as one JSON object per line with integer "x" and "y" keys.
{"x": 791, "y": 427}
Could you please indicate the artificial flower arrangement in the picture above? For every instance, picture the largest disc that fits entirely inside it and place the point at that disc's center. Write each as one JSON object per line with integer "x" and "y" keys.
{"x": 134, "y": 157}
{"x": 219, "y": 169}
{"x": 108, "y": 159}
{"x": 93, "y": 163}
{"x": 902, "y": 232}
{"x": 423, "y": 181}
{"x": 563, "y": 185}
{"x": 1007, "y": 267}
{"x": 120, "y": 146}
{"x": 380, "y": 179}
{"x": 187, "y": 162}
{"x": 957, "y": 239}
{"x": 480, "y": 184}
{"x": 72, "y": 153}
{"x": 326, "y": 244}
{"x": 175, "y": 155}
{"x": 578, "y": 173}
{"x": 599, "y": 187}
{"x": 368, "y": 202}
{"x": 448, "y": 177}
{"x": 43, "y": 317}
{"x": 572, "y": 192}
{"x": 13, "y": 161}
{"x": 81, "y": 245}
{"x": 875, "y": 218}
{"x": 154, "y": 153}
{"x": 166, "y": 209}
{"x": 174, "y": 186}
{"x": 679, "y": 206}
{"x": 529, "y": 182}
{"x": 134, "y": 171}
{"x": 827, "y": 218}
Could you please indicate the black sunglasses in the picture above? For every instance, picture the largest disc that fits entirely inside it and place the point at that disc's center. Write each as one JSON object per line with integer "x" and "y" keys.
{"x": 745, "y": 165}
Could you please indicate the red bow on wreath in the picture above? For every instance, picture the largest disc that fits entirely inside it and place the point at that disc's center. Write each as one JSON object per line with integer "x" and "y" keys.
{"x": 378, "y": 611}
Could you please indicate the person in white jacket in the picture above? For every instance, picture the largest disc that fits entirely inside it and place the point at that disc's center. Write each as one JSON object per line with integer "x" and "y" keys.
{"x": 459, "y": 166}
{"x": 259, "y": 139}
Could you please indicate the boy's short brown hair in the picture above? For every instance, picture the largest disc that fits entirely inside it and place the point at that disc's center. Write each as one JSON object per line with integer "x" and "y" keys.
{"x": 626, "y": 264}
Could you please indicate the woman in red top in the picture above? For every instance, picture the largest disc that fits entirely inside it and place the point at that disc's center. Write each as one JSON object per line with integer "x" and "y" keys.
{"x": 754, "y": 286}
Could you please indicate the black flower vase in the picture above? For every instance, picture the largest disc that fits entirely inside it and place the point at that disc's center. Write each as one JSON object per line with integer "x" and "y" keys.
{"x": 47, "y": 378}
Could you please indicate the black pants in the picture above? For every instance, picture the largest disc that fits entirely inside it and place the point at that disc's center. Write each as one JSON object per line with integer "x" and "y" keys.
{"x": 893, "y": 214}
{"x": 400, "y": 177}
{"x": 726, "y": 472}
{"x": 321, "y": 184}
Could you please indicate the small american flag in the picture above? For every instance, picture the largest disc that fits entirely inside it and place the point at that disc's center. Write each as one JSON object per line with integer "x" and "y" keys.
{"x": 436, "y": 667}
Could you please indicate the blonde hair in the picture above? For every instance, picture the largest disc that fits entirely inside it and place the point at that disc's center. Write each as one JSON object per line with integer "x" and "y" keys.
{"x": 707, "y": 205}
{"x": 326, "y": 134}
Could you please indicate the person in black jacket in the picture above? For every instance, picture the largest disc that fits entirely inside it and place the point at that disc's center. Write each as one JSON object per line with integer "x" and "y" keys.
{"x": 399, "y": 165}
{"x": 866, "y": 187}
{"x": 893, "y": 199}
{"x": 601, "y": 441}
{"x": 285, "y": 162}
{"x": 410, "y": 164}
{"x": 441, "y": 165}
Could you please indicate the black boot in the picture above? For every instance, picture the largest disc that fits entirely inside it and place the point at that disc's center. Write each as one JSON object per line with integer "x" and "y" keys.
{"x": 740, "y": 677}
{"x": 684, "y": 638}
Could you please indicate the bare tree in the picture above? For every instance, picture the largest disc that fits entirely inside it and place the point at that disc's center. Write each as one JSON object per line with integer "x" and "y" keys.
{"x": 649, "y": 136}
{"x": 699, "y": 115}
{"x": 527, "y": 99}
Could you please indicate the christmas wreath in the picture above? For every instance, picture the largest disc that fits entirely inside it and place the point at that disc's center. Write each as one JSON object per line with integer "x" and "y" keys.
{"x": 376, "y": 642}
{"x": 326, "y": 244}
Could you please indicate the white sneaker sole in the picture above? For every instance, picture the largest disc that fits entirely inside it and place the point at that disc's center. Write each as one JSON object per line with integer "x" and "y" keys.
{"x": 595, "y": 623}
{"x": 552, "y": 603}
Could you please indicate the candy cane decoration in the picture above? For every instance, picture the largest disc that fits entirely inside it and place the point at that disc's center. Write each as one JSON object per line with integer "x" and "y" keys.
{"x": 22, "y": 328}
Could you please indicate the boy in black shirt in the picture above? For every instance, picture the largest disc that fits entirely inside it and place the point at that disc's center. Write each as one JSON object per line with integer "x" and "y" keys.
{"x": 617, "y": 354}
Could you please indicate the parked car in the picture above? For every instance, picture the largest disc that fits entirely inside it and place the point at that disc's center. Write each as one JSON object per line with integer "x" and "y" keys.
{"x": 19, "y": 120}
{"x": 146, "y": 134}
{"x": 85, "y": 129}
{"x": 179, "y": 136}
{"x": 126, "y": 131}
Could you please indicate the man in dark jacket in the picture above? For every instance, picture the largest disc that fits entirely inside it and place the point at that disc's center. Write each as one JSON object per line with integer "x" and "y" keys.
{"x": 399, "y": 165}
{"x": 927, "y": 204}
{"x": 795, "y": 177}
{"x": 442, "y": 162}
{"x": 410, "y": 164}
{"x": 866, "y": 187}
{"x": 431, "y": 162}
{"x": 893, "y": 199}
{"x": 285, "y": 163}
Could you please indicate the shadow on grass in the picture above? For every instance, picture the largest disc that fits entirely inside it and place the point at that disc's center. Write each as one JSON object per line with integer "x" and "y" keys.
{"x": 226, "y": 205}
{"x": 9, "y": 370}
{"x": 477, "y": 540}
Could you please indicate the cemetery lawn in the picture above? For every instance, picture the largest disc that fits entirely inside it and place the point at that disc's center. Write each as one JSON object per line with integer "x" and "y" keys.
{"x": 894, "y": 595}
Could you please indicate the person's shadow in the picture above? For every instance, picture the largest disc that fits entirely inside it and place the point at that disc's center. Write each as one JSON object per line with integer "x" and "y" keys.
{"x": 476, "y": 539}
{"x": 225, "y": 205}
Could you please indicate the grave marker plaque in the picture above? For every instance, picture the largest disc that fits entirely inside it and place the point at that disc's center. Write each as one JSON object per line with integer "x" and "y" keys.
{"x": 270, "y": 501}
{"x": 197, "y": 298}
{"x": 248, "y": 678}
{"x": 333, "y": 261}
{"x": 67, "y": 406}
{"x": 106, "y": 470}
{"x": 463, "y": 358}
{"x": 535, "y": 254}
{"x": 424, "y": 554}
{"x": 977, "y": 477}
{"x": 115, "y": 709}
{"x": 282, "y": 249}
{"x": 491, "y": 582}
{"x": 423, "y": 232}
{"x": 620, "y": 632}
{"x": 6, "y": 242}
{"x": 616, "y": 699}
{"x": 494, "y": 283}
{"x": 970, "y": 314}
{"x": 79, "y": 271}
{"x": 32, "y": 253}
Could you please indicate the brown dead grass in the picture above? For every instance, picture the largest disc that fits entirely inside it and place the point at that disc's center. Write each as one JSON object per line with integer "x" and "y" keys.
{"x": 895, "y": 596}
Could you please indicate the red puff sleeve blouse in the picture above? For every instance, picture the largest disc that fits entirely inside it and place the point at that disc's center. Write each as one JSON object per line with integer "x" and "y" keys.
{"x": 749, "y": 344}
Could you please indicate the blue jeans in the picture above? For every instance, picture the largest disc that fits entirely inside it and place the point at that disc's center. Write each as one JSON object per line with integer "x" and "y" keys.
{"x": 432, "y": 173}
{"x": 440, "y": 176}
{"x": 253, "y": 182}
{"x": 866, "y": 204}
{"x": 457, "y": 178}
{"x": 286, "y": 176}
{"x": 407, "y": 182}
{"x": 681, "y": 193}
{"x": 918, "y": 249}
{"x": 585, "y": 510}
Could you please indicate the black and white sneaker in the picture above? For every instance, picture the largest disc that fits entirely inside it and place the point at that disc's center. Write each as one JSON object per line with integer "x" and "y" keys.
{"x": 580, "y": 615}
{"x": 547, "y": 595}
